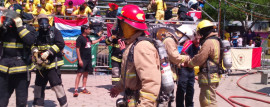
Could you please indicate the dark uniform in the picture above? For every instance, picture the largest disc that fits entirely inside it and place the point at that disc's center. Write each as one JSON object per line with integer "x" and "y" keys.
{"x": 54, "y": 43}
{"x": 116, "y": 56}
{"x": 186, "y": 79}
{"x": 15, "y": 63}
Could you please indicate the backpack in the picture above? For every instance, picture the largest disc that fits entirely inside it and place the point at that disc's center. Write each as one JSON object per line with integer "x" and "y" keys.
{"x": 167, "y": 83}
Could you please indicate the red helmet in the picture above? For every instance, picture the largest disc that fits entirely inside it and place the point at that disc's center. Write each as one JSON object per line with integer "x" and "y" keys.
{"x": 134, "y": 16}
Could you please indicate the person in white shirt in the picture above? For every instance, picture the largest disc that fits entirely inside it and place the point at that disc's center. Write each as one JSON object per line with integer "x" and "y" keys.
{"x": 251, "y": 44}
{"x": 240, "y": 41}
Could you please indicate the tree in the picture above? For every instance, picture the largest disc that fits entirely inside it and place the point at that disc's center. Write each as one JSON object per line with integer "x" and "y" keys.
{"x": 241, "y": 10}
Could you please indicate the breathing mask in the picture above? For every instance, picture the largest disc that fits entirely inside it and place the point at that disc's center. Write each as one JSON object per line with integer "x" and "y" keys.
{"x": 44, "y": 24}
{"x": 117, "y": 30}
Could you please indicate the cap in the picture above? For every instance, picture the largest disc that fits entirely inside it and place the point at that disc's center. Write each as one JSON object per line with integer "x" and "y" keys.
{"x": 39, "y": 5}
{"x": 31, "y": 1}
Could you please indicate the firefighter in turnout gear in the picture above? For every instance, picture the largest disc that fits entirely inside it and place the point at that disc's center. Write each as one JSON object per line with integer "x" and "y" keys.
{"x": 116, "y": 57}
{"x": 140, "y": 69}
{"x": 49, "y": 46}
{"x": 207, "y": 59}
{"x": 15, "y": 62}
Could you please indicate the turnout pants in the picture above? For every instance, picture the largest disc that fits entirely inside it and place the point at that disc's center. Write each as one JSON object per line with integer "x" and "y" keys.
{"x": 54, "y": 78}
{"x": 11, "y": 82}
{"x": 185, "y": 88}
{"x": 208, "y": 91}
{"x": 116, "y": 66}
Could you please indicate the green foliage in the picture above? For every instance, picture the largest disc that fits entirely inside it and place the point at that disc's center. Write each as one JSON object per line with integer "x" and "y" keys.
{"x": 233, "y": 14}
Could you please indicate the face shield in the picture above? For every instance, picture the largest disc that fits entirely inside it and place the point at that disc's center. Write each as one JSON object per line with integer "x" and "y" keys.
{"x": 44, "y": 24}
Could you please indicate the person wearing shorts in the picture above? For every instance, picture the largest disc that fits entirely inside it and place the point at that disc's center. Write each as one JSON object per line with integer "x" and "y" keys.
{"x": 83, "y": 49}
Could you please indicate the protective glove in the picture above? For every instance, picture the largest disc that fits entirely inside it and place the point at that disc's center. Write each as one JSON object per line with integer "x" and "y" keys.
{"x": 45, "y": 55}
{"x": 18, "y": 21}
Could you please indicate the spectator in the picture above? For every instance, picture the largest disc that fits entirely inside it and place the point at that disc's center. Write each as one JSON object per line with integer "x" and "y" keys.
{"x": 39, "y": 10}
{"x": 92, "y": 5}
{"x": 185, "y": 3}
{"x": 234, "y": 39}
{"x": 161, "y": 8}
{"x": 240, "y": 41}
{"x": 111, "y": 13}
{"x": 59, "y": 9}
{"x": 29, "y": 7}
{"x": 250, "y": 44}
{"x": 193, "y": 5}
{"x": 9, "y": 2}
{"x": 80, "y": 13}
{"x": 201, "y": 3}
{"x": 83, "y": 49}
{"x": 258, "y": 41}
{"x": 70, "y": 9}
{"x": 88, "y": 11}
{"x": 227, "y": 35}
{"x": 249, "y": 36}
{"x": 49, "y": 8}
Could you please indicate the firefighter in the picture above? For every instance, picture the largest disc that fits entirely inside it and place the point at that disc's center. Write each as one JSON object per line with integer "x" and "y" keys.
{"x": 15, "y": 63}
{"x": 170, "y": 39}
{"x": 140, "y": 77}
{"x": 116, "y": 57}
{"x": 207, "y": 59}
{"x": 161, "y": 8}
{"x": 49, "y": 46}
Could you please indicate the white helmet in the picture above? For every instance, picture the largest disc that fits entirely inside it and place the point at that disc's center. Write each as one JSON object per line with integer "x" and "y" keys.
{"x": 188, "y": 32}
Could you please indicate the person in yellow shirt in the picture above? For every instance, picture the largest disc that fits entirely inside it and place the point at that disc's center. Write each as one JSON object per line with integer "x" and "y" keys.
{"x": 87, "y": 9}
{"x": 29, "y": 7}
{"x": 227, "y": 35}
{"x": 161, "y": 7}
{"x": 80, "y": 13}
{"x": 49, "y": 8}
{"x": 9, "y": 2}
{"x": 59, "y": 9}
{"x": 39, "y": 10}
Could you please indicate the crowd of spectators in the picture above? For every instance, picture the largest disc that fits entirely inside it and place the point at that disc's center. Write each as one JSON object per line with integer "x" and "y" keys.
{"x": 248, "y": 39}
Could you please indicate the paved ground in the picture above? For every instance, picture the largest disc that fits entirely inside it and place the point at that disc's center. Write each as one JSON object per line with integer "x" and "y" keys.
{"x": 100, "y": 84}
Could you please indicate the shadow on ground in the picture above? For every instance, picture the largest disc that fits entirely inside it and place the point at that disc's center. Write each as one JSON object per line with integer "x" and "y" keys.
{"x": 108, "y": 87}
{"x": 265, "y": 90}
{"x": 47, "y": 103}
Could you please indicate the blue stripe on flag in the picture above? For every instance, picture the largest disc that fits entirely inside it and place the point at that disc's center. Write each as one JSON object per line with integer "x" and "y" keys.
{"x": 70, "y": 33}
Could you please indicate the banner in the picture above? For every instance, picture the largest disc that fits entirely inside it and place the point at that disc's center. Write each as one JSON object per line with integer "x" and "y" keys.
{"x": 241, "y": 58}
{"x": 70, "y": 28}
{"x": 256, "y": 57}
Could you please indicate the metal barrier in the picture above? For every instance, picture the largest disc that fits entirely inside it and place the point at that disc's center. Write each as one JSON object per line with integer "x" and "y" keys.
{"x": 103, "y": 61}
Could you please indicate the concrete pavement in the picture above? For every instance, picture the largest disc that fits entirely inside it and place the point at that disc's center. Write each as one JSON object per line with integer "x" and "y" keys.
{"x": 100, "y": 84}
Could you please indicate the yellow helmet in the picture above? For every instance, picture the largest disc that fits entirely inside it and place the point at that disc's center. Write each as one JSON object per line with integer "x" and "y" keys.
{"x": 204, "y": 24}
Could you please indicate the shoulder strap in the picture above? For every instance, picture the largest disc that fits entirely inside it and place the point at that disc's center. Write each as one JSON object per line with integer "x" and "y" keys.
{"x": 221, "y": 50}
{"x": 131, "y": 51}
{"x": 52, "y": 35}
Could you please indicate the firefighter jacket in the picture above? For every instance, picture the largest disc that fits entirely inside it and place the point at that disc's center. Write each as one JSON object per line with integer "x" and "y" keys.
{"x": 54, "y": 43}
{"x": 116, "y": 53}
{"x": 143, "y": 74}
{"x": 16, "y": 43}
{"x": 209, "y": 49}
{"x": 174, "y": 56}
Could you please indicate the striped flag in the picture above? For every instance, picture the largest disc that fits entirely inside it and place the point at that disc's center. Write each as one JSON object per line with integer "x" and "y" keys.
{"x": 70, "y": 28}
